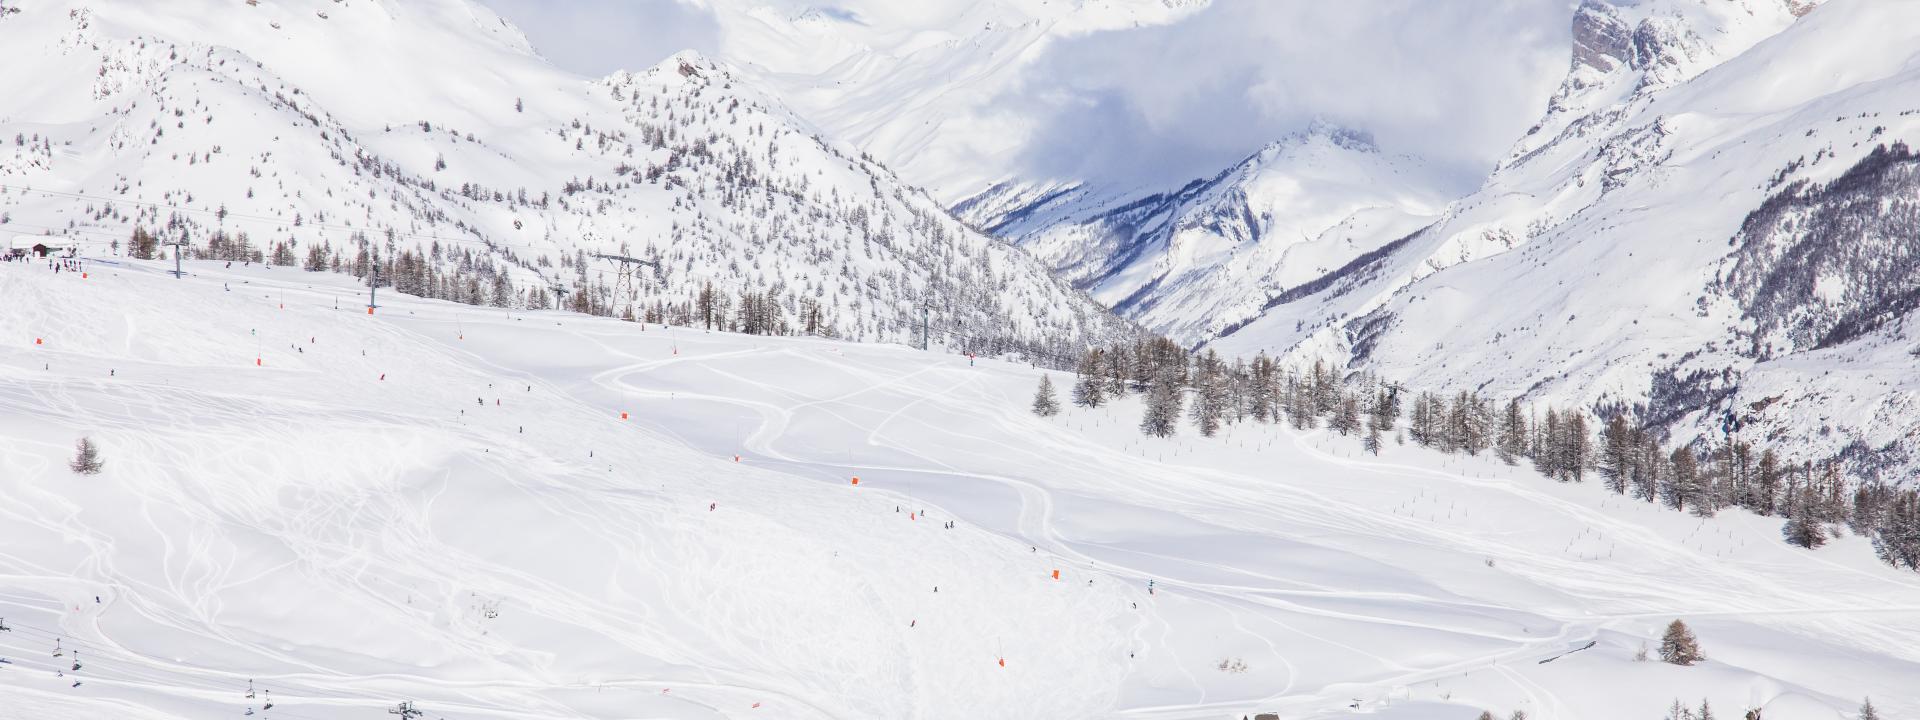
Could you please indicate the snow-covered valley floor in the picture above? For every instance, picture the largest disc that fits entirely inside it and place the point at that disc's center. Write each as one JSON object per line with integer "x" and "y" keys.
{"x": 442, "y": 504}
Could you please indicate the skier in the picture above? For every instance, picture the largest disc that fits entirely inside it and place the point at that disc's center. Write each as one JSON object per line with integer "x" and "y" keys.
{"x": 712, "y": 507}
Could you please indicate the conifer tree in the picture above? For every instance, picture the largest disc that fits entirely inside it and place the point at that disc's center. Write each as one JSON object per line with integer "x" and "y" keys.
{"x": 1767, "y": 483}
{"x": 1346, "y": 420}
{"x": 1678, "y": 646}
{"x": 1617, "y": 450}
{"x": 1373, "y": 436}
{"x": 1044, "y": 402}
{"x": 1210, "y": 393}
{"x": 1867, "y": 712}
{"x": 86, "y": 458}
{"x": 1089, "y": 388}
{"x": 1513, "y": 434}
{"x": 1803, "y": 527}
{"x": 1163, "y": 408}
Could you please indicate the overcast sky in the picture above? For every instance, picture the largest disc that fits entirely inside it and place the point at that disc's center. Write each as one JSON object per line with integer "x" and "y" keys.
{"x": 1454, "y": 82}
{"x": 597, "y": 37}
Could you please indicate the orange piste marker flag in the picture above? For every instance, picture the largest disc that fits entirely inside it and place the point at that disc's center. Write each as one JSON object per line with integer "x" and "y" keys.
{"x": 1056, "y": 574}
{"x": 856, "y": 479}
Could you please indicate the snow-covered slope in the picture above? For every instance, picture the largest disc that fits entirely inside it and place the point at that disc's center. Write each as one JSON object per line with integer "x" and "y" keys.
{"x": 442, "y": 505}
{"x": 1712, "y": 224}
{"x": 435, "y": 121}
{"x": 1192, "y": 262}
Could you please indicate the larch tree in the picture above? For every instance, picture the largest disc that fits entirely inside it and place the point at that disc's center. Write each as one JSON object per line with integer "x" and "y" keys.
{"x": 1044, "y": 402}
{"x": 86, "y": 458}
{"x": 1803, "y": 526}
{"x": 1678, "y": 646}
{"x": 1089, "y": 388}
{"x": 1163, "y": 408}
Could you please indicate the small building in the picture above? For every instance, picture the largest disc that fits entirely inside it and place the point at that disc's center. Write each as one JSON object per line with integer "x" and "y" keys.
{"x": 41, "y": 246}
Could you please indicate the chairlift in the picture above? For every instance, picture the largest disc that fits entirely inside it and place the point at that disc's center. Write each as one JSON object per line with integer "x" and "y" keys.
{"x": 249, "y": 689}
{"x": 269, "y": 705}
{"x": 248, "y": 713}
{"x": 57, "y": 652}
{"x": 3, "y": 625}
{"x": 76, "y": 661}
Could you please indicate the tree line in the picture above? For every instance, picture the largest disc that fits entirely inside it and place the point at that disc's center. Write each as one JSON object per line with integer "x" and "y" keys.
{"x": 1816, "y": 500}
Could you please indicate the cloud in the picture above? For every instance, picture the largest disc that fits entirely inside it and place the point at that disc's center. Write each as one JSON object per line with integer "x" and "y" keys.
{"x": 597, "y": 37}
{"x": 1453, "y": 82}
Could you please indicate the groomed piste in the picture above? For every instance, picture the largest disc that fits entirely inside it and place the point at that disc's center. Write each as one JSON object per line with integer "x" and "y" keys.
{"x": 504, "y": 514}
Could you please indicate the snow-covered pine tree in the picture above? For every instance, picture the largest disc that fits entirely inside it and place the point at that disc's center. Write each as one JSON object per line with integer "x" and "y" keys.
{"x": 1617, "y": 453}
{"x": 1578, "y": 453}
{"x": 1546, "y": 454}
{"x": 1682, "y": 474}
{"x": 1346, "y": 419}
{"x": 86, "y": 458}
{"x": 1651, "y": 470}
{"x": 1089, "y": 388}
{"x": 1867, "y": 711}
{"x": 1678, "y": 646}
{"x": 1044, "y": 402}
{"x": 1513, "y": 434}
{"x": 1163, "y": 408}
{"x": 1897, "y": 540}
{"x": 1209, "y": 393}
{"x": 1767, "y": 483}
{"x": 1803, "y": 527}
{"x": 1372, "y": 441}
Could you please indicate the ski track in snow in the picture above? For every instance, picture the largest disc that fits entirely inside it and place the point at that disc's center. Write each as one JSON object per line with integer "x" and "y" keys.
{"x": 342, "y": 540}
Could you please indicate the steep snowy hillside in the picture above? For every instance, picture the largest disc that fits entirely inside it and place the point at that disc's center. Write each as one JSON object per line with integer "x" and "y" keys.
{"x": 1712, "y": 228}
{"x": 540, "y": 515}
{"x": 1192, "y": 262}
{"x": 433, "y": 128}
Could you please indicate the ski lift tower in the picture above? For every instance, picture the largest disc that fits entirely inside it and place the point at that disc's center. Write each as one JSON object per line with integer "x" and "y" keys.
{"x": 179, "y": 245}
{"x": 623, "y": 277}
{"x": 405, "y": 710}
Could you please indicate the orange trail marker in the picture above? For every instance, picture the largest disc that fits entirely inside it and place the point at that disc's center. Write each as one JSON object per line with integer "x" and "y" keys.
{"x": 39, "y": 341}
{"x": 856, "y": 479}
{"x": 256, "y": 362}
{"x": 1003, "y": 662}
{"x": 369, "y": 311}
{"x": 623, "y": 415}
{"x": 1056, "y": 574}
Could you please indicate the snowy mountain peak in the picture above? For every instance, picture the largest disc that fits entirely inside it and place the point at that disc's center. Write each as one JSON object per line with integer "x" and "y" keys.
{"x": 506, "y": 181}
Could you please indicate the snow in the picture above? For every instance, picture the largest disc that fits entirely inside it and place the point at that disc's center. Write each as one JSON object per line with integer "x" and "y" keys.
{"x": 1190, "y": 263}
{"x": 1586, "y": 266}
{"x": 340, "y": 538}
{"x": 213, "y": 115}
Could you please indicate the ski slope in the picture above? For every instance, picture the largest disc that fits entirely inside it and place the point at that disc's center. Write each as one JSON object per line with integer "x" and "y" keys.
{"x": 443, "y": 504}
